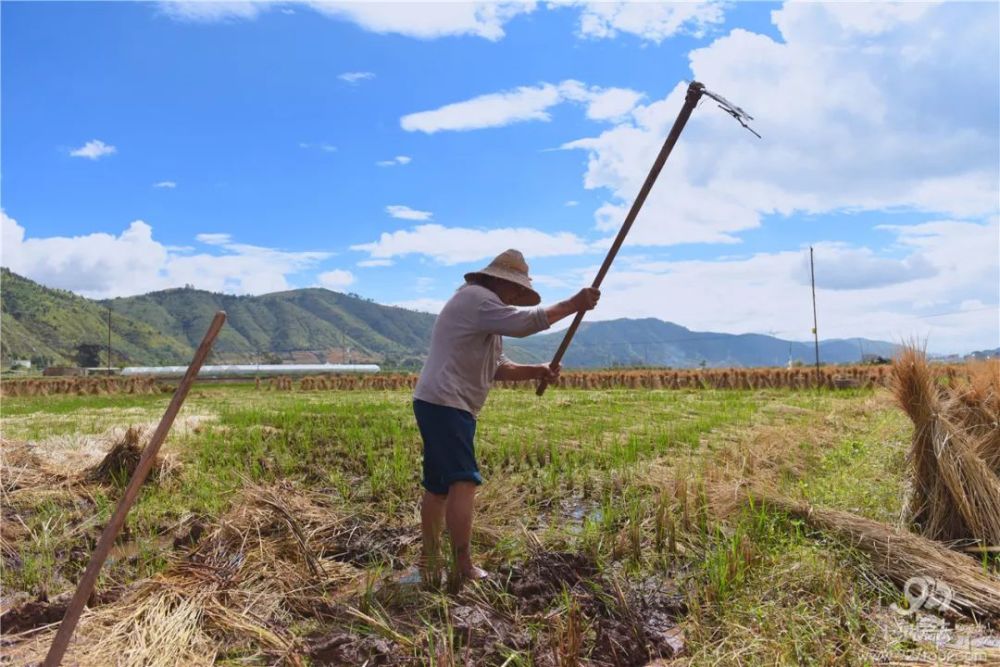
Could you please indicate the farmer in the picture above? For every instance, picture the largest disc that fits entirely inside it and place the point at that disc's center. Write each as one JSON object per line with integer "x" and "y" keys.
{"x": 466, "y": 356}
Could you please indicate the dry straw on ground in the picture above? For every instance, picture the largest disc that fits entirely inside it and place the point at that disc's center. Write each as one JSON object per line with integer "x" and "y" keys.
{"x": 898, "y": 554}
{"x": 268, "y": 562}
{"x": 831, "y": 377}
{"x": 81, "y": 386}
{"x": 121, "y": 461}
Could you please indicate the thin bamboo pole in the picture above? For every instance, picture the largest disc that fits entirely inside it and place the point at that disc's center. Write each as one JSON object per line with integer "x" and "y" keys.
{"x": 89, "y": 579}
{"x": 812, "y": 279}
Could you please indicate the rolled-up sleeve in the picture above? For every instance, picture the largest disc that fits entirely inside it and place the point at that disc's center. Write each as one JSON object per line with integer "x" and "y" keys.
{"x": 495, "y": 317}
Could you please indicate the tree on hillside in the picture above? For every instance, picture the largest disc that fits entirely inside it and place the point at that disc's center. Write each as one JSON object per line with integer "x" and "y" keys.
{"x": 88, "y": 355}
{"x": 41, "y": 361}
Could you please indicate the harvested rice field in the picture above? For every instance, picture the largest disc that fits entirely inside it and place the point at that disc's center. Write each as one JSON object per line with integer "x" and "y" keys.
{"x": 621, "y": 526}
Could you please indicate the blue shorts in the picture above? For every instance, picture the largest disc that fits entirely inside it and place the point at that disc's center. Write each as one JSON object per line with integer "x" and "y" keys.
{"x": 449, "y": 453}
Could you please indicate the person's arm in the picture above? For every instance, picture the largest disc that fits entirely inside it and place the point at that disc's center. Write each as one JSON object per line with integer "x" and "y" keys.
{"x": 508, "y": 370}
{"x": 585, "y": 299}
{"x": 496, "y": 317}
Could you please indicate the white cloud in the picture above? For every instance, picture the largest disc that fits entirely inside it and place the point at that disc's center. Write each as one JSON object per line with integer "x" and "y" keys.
{"x": 521, "y": 104}
{"x": 572, "y": 202}
{"x": 214, "y": 239}
{"x": 849, "y": 122}
{"x": 850, "y": 19}
{"x": 493, "y": 110}
{"x": 369, "y": 263}
{"x": 398, "y": 160}
{"x": 454, "y": 245}
{"x": 420, "y": 20}
{"x": 170, "y": 185}
{"x": 102, "y": 265}
{"x": 326, "y": 148}
{"x": 611, "y": 103}
{"x": 952, "y": 300}
{"x": 93, "y": 150}
{"x": 336, "y": 279}
{"x": 355, "y": 78}
{"x": 407, "y": 213}
{"x": 561, "y": 281}
{"x": 423, "y": 305}
{"x": 428, "y": 20}
{"x": 206, "y": 11}
{"x": 847, "y": 268}
{"x": 652, "y": 21}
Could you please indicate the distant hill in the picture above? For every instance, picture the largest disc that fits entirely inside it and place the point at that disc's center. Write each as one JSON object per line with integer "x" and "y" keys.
{"x": 653, "y": 342}
{"x": 306, "y": 324}
{"x": 43, "y": 323}
{"x": 312, "y": 325}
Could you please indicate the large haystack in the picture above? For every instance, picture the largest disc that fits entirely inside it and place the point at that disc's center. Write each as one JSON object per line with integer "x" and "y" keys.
{"x": 955, "y": 454}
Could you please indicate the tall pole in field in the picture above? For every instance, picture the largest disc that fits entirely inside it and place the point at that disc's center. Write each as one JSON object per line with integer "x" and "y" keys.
{"x": 812, "y": 275}
{"x": 109, "y": 339}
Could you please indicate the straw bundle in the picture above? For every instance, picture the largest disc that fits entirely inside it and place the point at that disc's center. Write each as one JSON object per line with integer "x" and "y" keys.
{"x": 976, "y": 408}
{"x": 955, "y": 488}
{"x": 121, "y": 461}
{"x": 899, "y": 555}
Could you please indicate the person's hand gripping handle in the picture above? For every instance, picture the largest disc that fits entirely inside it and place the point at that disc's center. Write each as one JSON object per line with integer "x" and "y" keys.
{"x": 584, "y": 300}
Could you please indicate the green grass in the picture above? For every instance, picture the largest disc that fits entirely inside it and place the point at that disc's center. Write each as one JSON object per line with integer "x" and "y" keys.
{"x": 578, "y": 470}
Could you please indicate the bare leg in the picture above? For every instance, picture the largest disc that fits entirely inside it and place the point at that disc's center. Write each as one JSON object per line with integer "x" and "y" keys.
{"x": 458, "y": 517}
{"x": 431, "y": 521}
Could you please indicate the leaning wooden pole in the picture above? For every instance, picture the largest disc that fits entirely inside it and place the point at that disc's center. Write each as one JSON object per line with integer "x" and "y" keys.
{"x": 89, "y": 579}
{"x": 694, "y": 93}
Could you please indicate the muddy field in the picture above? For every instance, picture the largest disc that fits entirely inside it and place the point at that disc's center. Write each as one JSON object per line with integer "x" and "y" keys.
{"x": 282, "y": 528}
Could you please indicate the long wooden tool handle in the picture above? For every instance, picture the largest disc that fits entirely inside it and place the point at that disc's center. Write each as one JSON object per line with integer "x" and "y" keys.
{"x": 86, "y": 585}
{"x": 694, "y": 93}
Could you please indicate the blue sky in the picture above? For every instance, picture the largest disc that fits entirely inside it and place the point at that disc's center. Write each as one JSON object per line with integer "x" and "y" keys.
{"x": 387, "y": 149}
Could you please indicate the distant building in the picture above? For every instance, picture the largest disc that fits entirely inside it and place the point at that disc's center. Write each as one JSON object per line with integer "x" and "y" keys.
{"x": 874, "y": 359}
{"x": 21, "y": 363}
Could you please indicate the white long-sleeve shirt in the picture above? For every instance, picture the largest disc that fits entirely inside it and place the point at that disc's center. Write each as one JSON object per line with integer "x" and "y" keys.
{"x": 466, "y": 346}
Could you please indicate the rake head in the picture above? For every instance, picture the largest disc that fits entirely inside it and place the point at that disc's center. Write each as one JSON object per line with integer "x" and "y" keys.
{"x": 736, "y": 112}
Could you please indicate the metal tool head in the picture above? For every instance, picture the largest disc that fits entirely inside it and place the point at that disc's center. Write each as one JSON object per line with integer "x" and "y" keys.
{"x": 736, "y": 112}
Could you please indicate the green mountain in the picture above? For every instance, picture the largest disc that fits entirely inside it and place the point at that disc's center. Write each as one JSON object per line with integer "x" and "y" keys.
{"x": 653, "y": 342}
{"x": 314, "y": 325}
{"x": 309, "y": 325}
{"x": 47, "y": 324}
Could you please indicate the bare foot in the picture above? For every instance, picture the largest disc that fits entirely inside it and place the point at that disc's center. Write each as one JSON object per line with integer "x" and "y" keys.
{"x": 475, "y": 573}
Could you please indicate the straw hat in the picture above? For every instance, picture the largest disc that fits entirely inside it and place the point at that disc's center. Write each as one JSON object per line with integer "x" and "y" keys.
{"x": 510, "y": 266}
